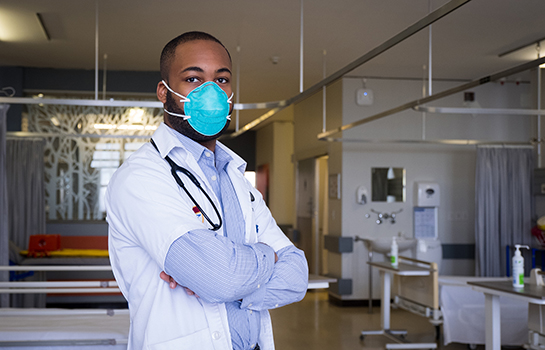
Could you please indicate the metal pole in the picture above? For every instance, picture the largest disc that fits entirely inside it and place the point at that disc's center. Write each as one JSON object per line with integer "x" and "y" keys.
{"x": 301, "y": 53}
{"x": 104, "y": 70}
{"x": 56, "y": 268}
{"x": 237, "y": 97}
{"x": 424, "y": 95}
{"x": 429, "y": 73}
{"x": 429, "y": 55}
{"x": 324, "y": 96}
{"x": 370, "y": 259}
{"x": 96, "y": 50}
{"x": 539, "y": 161}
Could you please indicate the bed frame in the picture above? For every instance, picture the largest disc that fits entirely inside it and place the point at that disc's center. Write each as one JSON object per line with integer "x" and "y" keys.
{"x": 419, "y": 294}
{"x": 105, "y": 329}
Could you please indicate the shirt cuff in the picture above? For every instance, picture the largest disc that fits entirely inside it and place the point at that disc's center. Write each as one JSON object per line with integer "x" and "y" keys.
{"x": 255, "y": 300}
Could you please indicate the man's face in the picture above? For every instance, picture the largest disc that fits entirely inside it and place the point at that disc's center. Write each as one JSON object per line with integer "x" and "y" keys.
{"x": 195, "y": 63}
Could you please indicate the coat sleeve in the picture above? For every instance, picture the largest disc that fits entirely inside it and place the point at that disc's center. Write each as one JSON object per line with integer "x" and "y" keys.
{"x": 289, "y": 280}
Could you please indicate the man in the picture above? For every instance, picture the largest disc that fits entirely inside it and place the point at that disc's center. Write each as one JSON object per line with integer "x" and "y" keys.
{"x": 218, "y": 245}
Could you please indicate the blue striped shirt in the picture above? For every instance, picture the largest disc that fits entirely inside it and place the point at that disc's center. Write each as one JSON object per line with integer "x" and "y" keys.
{"x": 226, "y": 269}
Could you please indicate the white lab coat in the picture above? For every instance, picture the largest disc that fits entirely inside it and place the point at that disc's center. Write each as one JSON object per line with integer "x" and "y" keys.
{"x": 147, "y": 212}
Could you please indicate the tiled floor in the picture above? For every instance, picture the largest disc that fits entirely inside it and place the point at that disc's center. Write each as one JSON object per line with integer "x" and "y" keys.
{"x": 315, "y": 323}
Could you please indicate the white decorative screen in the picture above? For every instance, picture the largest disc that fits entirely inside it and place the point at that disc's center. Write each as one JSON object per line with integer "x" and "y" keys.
{"x": 84, "y": 146}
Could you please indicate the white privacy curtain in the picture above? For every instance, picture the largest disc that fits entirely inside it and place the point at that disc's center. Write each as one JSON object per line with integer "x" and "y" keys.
{"x": 26, "y": 186}
{"x": 4, "y": 240}
{"x": 26, "y": 201}
{"x": 504, "y": 205}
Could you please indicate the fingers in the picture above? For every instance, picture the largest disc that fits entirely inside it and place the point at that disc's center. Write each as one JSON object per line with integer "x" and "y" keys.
{"x": 172, "y": 283}
{"x": 190, "y": 292}
{"x": 164, "y": 276}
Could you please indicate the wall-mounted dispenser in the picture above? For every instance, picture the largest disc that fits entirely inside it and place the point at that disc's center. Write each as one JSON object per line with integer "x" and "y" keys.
{"x": 427, "y": 194}
{"x": 362, "y": 195}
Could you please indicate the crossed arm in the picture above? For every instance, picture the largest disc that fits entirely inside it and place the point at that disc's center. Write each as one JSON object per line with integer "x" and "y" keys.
{"x": 216, "y": 269}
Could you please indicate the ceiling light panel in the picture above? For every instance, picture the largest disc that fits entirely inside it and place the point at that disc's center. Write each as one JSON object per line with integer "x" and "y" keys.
{"x": 19, "y": 26}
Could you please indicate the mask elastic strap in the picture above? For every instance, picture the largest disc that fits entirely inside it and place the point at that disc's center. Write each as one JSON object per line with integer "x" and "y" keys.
{"x": 186, "y": 117}
{"x": 229, "y": 100}
{"x": 184, "y": 99}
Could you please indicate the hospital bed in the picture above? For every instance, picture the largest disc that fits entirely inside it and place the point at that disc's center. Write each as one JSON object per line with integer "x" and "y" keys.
{"x": 61, "y": 329}
{"x": 463, "y": 310}
{"x": 48, "y": 329}
{"x": 448, "y": 301}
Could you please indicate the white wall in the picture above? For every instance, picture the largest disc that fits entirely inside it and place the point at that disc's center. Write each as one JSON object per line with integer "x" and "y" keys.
{"x": 274, "y": 146}
{"x": 453, "y": 167}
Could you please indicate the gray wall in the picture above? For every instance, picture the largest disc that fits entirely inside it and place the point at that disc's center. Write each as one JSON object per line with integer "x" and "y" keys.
{"x": 453, "y": 167}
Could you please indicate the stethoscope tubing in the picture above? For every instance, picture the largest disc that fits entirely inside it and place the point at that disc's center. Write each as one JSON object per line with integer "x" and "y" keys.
{"x": 174, "y": 168}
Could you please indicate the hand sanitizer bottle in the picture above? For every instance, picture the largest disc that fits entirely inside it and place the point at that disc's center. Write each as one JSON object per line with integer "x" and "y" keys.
{"x": 518, "y": 267}
{"x": 393, "y": 253}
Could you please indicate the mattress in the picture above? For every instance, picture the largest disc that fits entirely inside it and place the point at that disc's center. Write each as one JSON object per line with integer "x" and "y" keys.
{"x": 464, "y": 313}
{"x": 48, "y": 329}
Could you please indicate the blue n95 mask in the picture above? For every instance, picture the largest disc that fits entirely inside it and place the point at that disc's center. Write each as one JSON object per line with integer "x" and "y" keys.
{"x": 206, "y": 108}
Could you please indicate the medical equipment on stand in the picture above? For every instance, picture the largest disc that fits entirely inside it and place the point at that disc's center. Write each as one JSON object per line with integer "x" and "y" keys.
{"x": 174, "y": 168}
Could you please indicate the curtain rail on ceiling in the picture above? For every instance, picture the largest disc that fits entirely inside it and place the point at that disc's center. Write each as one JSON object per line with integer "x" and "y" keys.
{"x": 120, "y": 103}
{"x": 388, "y": 44}
{"x": 504, "y": 111}
{"x": 484, "y": 80}
{"x": 447, "y": 142}
{"x": 275, "y": 106}
{"x": 24, "y": 134}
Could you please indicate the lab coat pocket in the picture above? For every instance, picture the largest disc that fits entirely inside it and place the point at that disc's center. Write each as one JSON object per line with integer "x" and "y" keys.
{"x": 197, "y": 340}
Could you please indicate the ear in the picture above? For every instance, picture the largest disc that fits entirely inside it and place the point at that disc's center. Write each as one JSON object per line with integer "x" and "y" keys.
{"x": 162, "y": 92}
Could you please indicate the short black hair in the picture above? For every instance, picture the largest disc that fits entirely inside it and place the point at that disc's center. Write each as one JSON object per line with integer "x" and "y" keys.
{"x": 170, "y": 49}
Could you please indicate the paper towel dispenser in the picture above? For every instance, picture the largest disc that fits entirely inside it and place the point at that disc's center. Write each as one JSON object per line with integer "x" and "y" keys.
{"x": 427, "y": 194}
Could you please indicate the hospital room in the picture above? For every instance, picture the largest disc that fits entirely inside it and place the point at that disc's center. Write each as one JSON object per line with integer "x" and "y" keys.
{"x": 392, "y": 150}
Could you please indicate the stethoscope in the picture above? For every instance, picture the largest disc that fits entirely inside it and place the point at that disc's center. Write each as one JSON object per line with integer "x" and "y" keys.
{"x": 174, "y": 168}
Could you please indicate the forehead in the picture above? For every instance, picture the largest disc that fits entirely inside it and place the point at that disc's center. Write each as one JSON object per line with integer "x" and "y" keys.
{"x": 205, "y": 54}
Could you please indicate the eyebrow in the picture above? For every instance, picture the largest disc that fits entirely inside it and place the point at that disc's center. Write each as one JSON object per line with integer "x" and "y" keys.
{"x": 223, "y": 70}
{"x": 200, "y": 70}
{"x": 195, "y": 68}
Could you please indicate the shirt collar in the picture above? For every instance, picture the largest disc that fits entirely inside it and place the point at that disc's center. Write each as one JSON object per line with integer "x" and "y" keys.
{"x": 167, "y": 139}
{"x": 194, "y": 148}
{"x": 222, "y": 158}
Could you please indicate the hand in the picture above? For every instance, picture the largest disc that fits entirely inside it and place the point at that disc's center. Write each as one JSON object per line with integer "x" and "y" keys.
{"x": 168, "y": 279}
{"x": 173, "y": 284}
